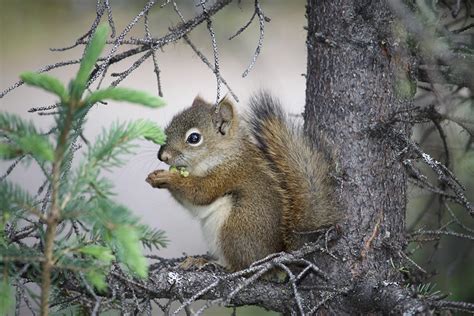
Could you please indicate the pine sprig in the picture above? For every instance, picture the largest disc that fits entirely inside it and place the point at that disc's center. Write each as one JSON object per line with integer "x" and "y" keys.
{"x": 126, "y": 95}
{"x": 152, "y": 238}
{"x": 93, "y": 51}
{"x": 13, "y": 198}
{"x": 110, "y": 232}
{"x": 47, "y": 83}
{"x": 23, "y": 138}
{"x": 121, "y": 232}
{"x": 6, "y": 297}
{"x": 109, "y": 151}
{"x": 118, "y": 141}
{"x": 19, "y": 253}
{"x": 11, "y": 124}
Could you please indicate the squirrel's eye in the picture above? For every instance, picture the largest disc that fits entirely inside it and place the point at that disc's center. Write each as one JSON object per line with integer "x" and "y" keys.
{"x": 193, "y": 137}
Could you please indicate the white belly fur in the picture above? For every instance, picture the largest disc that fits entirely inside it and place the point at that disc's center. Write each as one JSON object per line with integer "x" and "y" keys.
{"x": 212, "y": 217}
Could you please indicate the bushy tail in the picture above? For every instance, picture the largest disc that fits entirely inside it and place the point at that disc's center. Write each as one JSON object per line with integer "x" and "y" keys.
{"x": 302, "y": 170}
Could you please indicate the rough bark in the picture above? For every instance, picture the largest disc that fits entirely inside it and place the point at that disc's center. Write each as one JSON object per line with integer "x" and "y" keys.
{"x": 353, "y": 66}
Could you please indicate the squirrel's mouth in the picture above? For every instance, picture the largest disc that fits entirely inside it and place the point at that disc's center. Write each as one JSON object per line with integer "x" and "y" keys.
{"x": 178, "y": 162}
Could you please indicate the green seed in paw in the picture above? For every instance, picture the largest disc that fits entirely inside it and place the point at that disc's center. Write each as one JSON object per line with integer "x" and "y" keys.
{"x": 181, "y": 170}
{"x": 173, "y": 169}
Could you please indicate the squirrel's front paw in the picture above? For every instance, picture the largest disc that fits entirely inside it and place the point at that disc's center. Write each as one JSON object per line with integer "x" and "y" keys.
{"x": 160, "y": 178}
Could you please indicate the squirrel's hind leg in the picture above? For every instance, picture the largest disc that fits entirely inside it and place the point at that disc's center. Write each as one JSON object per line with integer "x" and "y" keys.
{"x": 200, "y": 263}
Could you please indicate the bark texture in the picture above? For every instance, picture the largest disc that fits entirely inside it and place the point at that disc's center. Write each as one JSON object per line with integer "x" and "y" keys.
{"x": 354, "y": 64}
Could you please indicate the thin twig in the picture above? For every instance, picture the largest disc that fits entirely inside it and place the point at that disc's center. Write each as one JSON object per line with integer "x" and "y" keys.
{"x": 443, "y": 173}
{"x": 328, "y": 297}
{"x": 208, "y": 64}
{"x": 121, "y": 76}
{"x": 156, "y": 67}
{"x": 456, "y": 219}
{"x": 12, "y": 167}
{"x": 110, "y": 17}
{"x": 215, "y": 53}
{"x": 42, "y": 69}
{"x": 451, "y": 305}
{"x": 261, "y": 23}
{"x": 416, "y": 265}
{"x": 439, "y": 233}
{"x": 243, "y": 28}
{"x": 99, "y": 12}
{"x": 293, "y": 280}
{"x": 102, "y": 69}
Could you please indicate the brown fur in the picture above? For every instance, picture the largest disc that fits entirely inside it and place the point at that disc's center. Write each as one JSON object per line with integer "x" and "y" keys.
{"x": 251, "y": 231}
{"x": 278, "y": 185}
{"x": 303, "y": 172}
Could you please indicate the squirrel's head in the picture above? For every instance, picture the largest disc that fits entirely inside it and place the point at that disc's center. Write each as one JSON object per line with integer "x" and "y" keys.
{"x": 200, "y": 137}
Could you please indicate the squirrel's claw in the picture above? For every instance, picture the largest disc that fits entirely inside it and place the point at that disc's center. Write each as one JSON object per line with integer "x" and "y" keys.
{"x": 199, "y": 263}
{"x": 159, "y": 178}
{"x": 191, "y": 263}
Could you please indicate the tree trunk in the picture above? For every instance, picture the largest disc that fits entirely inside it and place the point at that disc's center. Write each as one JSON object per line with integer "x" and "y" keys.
{"x": 353, "y": 66}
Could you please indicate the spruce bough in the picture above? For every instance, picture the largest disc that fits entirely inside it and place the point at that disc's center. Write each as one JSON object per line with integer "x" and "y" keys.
{"x": 74, "y": 198}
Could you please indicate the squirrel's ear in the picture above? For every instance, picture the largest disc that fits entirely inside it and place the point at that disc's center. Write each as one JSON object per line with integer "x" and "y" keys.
{"x": 224, "y": 116}
{"x": 198, "y": 100}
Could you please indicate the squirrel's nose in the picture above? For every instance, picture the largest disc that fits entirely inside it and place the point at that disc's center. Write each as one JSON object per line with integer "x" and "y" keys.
{"x": 163, "y": 154}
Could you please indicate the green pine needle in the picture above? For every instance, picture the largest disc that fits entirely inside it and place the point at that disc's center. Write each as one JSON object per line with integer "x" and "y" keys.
{"x": 38, "y": 146}
{"x": 93, "y": 51}
{"x": 101, "y": 253}
{"x": 97, "y": 279}
{"x": 125, "y": 95}
{"x": 23, "y": 139}
{"x": 114, "y": 234}
{"x": 12, "y": 124}
{"x": 152, "y": 238}
{"x": 13, "y": 197}
{"x": 33, "y": 144}
{"x": 130, "y": 250}
{"x": 118, "y": 141}
{"x": 6, "y": 298}
{"x": 152, "y": 132}
{"x": 119, "y": 229}
{"x": 9, "y": 151}
{"x": 45, "y": 82}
